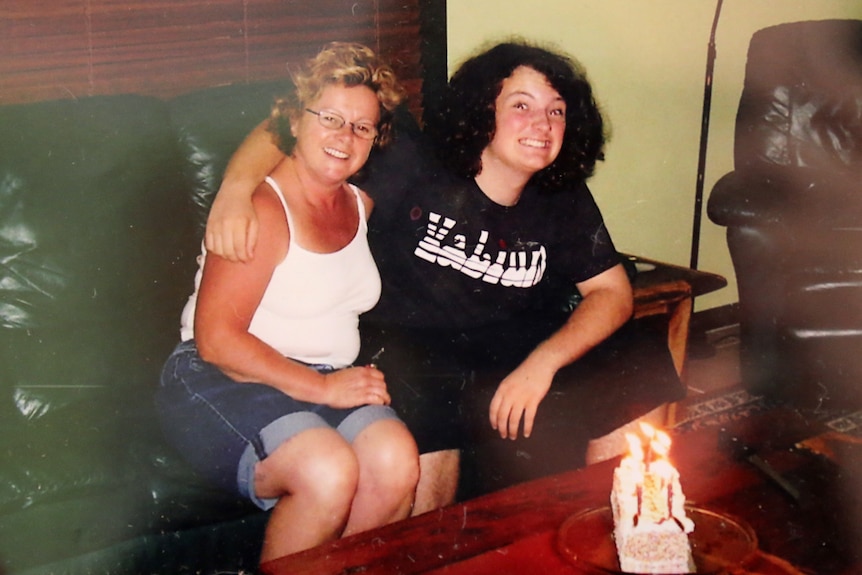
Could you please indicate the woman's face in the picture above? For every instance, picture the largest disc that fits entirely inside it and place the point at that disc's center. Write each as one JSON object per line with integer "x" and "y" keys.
{"x": 531, "y": 122}
{"x": 333, "y": 155}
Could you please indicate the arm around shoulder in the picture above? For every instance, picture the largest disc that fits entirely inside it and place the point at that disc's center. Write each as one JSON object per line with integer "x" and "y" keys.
{"x": 232, "y": 226}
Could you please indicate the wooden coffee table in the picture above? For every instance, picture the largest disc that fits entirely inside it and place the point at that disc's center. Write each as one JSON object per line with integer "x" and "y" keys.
{"x": 515, "y": 530}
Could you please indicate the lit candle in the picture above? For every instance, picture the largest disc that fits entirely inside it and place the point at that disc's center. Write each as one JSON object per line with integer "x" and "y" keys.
{"x": 649, "y": 475}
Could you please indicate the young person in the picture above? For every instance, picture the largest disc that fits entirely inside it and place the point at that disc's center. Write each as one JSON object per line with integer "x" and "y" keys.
{"x": 261, "y": 395}
{"x": 482, "y": 257}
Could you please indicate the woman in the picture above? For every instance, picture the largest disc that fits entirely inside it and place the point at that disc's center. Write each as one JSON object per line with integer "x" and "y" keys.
{"x": 478, "y": 261}
{"x": 261, "y": 396}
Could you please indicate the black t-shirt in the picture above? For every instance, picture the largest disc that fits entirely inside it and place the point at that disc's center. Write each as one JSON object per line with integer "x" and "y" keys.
{"x": 449, "y": 257}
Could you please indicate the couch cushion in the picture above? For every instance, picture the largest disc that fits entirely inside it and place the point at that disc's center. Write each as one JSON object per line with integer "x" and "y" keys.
{"x": 84, "y": 186}
{"x": 94, "y": 235}
{"x": 801, "y": 104}
{"x": 88, "y": 260}
{"x": 210, "y": 124}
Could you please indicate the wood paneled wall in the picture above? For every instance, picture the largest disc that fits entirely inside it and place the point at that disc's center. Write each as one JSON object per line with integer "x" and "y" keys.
{"x": 52, "y": 49}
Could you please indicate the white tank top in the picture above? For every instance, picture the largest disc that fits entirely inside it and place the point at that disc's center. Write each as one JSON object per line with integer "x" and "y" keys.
{"x": 310, "y": 309}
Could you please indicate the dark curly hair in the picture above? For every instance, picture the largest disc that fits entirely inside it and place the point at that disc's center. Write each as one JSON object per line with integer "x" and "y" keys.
{"x": 464, "y": 123}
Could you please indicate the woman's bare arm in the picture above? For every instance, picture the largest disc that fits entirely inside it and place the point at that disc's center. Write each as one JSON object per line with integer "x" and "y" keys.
{"x": 232, "y": 226}
{"x": 230, "y": 293}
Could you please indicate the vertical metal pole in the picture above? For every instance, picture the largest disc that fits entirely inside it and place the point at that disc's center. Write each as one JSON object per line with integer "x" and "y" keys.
{"x": 704, "y": 135}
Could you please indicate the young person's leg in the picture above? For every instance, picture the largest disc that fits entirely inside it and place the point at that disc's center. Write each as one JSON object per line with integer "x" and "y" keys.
{"x": 627, "y": 376}
{"x": 438, "y": 480}
{"x": 425, "y": 383}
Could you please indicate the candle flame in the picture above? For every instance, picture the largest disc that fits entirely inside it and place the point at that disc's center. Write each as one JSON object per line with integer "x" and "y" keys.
{"x": 653, "y": 448}
{"x": 658, "y": 441}
{"x": 636, "y": 451}
{"x": 646, "y": 484}
{"x": 649, "y": 473}
{"x": 647, "y": 429}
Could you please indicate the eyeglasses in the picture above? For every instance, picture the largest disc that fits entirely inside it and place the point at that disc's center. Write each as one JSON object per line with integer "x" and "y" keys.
{"x": 332, "y": 121}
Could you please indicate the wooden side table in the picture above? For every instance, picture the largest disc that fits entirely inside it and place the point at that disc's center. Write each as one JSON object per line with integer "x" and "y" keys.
{"x": 660, "y": 290}
{"x": 666, "y": 289}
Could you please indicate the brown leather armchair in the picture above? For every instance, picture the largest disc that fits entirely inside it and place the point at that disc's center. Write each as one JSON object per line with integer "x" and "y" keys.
{"x": 793, "y": 212}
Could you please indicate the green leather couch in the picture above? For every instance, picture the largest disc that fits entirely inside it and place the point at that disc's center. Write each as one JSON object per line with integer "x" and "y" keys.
{"x": 103, "y": 202}
{"x": 102, "y": 206}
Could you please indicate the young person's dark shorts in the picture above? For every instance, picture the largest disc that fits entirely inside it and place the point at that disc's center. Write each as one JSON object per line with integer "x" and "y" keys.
{"x": 442, "y": 382}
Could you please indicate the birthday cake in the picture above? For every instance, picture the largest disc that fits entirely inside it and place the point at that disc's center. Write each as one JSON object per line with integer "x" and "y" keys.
{"x": 650, "y": 524}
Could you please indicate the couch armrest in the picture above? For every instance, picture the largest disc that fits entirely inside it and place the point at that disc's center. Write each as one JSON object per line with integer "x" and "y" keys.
{"x": 786, "y": 196}
{"x": 738, "y": 200}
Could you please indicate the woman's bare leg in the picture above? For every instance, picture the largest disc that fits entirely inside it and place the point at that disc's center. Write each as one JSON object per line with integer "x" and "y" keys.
{"x": 388, "y": 472}
{"x": 314, "y": 475}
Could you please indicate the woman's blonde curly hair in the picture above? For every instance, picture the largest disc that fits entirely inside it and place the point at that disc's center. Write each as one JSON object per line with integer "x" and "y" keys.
{"x": 339, "y": 63}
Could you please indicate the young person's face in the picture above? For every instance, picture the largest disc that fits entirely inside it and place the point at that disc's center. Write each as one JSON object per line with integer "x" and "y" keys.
{"x": 531, "y": 121}
{"x": 334, "y": 155}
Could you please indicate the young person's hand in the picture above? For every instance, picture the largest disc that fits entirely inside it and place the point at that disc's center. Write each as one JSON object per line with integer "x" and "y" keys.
{"x": 607, "y": 304}
{"x": 232, "y": 228}
{"x": 517, "y": 398}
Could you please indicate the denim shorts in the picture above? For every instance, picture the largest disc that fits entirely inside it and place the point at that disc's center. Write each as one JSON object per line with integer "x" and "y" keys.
{"x": 223, "y": 427}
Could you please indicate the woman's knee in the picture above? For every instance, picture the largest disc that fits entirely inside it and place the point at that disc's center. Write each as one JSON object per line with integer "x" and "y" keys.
{"x": 317, "y": 463}
{"x": 387, "y": 451}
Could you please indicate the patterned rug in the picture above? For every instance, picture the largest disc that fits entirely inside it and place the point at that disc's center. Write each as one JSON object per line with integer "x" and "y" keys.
{"x": 736, "y": 403}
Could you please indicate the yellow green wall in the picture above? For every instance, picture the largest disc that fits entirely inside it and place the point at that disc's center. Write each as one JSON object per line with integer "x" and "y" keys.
{"x": 647, "y": 63}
